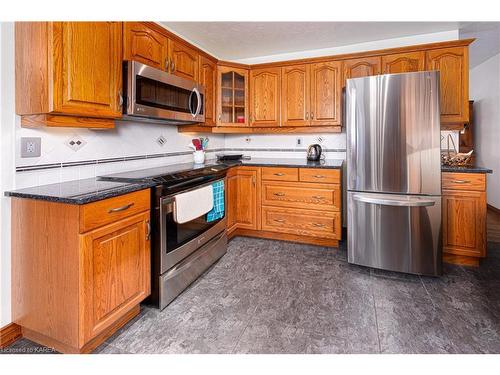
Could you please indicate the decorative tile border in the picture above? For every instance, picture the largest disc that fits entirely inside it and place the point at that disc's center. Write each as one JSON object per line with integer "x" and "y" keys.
{"x": 37, "y": 167}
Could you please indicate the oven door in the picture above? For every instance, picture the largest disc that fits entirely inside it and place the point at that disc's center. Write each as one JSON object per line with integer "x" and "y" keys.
{"x": 180, "y": 240}
{"x": 153, "y": 93}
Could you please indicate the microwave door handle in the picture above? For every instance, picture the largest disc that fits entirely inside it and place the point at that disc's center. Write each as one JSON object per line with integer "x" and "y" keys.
{"x": 190, "y": 104}
{"x": 198, "y": 107}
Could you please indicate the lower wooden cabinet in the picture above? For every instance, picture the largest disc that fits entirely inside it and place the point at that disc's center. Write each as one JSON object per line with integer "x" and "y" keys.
{"x": 464, "y": 218}
{"x": 294, "y": 204}
{"x": 74, "y": 286}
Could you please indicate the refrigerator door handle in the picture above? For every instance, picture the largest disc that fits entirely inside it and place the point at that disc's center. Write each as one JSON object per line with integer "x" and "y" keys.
{"x": 407, "y": 202}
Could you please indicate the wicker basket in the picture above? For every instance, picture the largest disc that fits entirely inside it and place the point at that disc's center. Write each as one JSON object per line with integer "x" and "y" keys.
{"x": 455, "y": 158}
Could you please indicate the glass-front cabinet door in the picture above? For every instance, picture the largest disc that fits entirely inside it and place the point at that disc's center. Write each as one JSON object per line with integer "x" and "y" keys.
{"x": 232, "y": 103}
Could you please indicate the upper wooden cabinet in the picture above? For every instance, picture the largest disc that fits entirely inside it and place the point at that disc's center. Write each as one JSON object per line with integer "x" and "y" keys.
{"x": 232, "y": 96}
{"x": 143, "y": 44}
{"x": 68, "y": 69}
{"x": 265, "y": 97}
{"x": 208, "y": 78}
{"x": 295, "y": 99}
{"x": 362, "y": 67}
{"x": 326, "y": 92}
{"x": 183, "y": 60}
{"x": 453, "y": 64}
{"x": 403, "y": 62}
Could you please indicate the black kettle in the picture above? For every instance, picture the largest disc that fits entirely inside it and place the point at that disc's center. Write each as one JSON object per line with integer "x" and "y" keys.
{"x": 314, "y": 152}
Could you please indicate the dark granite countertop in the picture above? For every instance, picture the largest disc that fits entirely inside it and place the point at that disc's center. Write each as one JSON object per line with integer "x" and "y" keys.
{"x": 468, "y": 169}
{"x": 288, "y": 162}
{"x": 78, "y": 191}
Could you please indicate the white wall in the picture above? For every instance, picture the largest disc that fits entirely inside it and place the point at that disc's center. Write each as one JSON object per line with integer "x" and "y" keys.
{"x": 7, "y": 171}
{"x": 485, "y": 91}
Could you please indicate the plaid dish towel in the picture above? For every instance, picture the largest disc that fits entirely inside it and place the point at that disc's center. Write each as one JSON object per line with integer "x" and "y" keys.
{"x": 217, "y": 212}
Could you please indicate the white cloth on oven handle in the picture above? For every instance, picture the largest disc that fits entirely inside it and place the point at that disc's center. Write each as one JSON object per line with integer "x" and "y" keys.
{"x": 192, "y": 204}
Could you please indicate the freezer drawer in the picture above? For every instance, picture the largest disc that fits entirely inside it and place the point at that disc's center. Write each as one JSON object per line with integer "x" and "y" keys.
{"x": 395, "y": 232}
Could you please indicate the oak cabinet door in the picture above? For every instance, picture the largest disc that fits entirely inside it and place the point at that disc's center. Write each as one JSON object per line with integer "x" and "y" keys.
{"x": 265, "y": 97}
{"x": 87, "y": 68}
{"x": 142, "y": 44}
{"x": 183, "y": 60}
{"x": 115, "y": 272}
{"x": 231, "y": 199}
{"x": 242, "y": 196}
{"x": 325, "y": 93}
{"x": 464, "y": 223}
{"x": 295, "y": 99}
{"x": 453, "y": 65}
{"x": 232, "y": 96}
{"x": 208, "y": 78}
{"x": 403, "y": 62}
{"x": 362, "y": 67}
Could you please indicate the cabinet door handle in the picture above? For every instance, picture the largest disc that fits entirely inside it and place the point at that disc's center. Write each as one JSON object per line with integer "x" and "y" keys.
{"x": 122, "y": 208}
{"x": 120, "y": 98}
{"x": 318, "y": 176}
{"x": 307, "y": 115}
{"x": 279, "y": 194}
{"x": 148, "y": 230}
{"x": 312, "y": 115}
{"x": 279, "y": 220}
{"x": 279, "y": 174}
{"x": 319, "y": 225}
{"x": 167, "y": 63}
{"x": 220, "y": 117}
{"x": 172, "y": 66}
{"x": 253, "y": 180}
{"x": 460, "y": 181}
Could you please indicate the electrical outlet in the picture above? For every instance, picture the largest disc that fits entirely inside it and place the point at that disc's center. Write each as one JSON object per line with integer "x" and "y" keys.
{"x": 298, "y": 142}
{"x": 75, "y": 142}
{"x": 31, "y": 147}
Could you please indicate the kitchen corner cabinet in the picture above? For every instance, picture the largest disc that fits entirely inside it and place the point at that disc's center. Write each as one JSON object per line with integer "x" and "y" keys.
{"x": 208, "y": 78}
{"x": 79, "y": 272}
{"x": 68, "y": 73}
{"x": 453, "y": 65}
{"x": 243, "y": 198}
{"x": 265, "y": 97}
{"x": 232, "y": 96}
{"x": 464, "y": 217}
{"x": 403, "y": 62}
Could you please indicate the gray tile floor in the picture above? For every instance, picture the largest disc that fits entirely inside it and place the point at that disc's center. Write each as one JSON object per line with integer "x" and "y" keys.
{"x": 275, "y": 297}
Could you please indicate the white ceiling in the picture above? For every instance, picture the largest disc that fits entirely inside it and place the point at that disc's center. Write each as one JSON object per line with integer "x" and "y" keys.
{"x": 243, "y": 40}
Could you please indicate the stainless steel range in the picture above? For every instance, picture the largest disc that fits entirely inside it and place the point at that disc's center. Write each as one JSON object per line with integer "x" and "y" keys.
{"x": 184, "y": 244}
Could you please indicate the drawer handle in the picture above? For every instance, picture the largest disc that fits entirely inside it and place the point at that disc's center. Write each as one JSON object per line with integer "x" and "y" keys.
{"x": 279, "y": 174}
{"x": 319, "y": 225}
{"x": 460, "y": 181}
{"x": 318, "y": 197}
{"x": 148, "y": 230}
{"x": 279, "y": 194}
{"x": 122, "y": 208}
{"x": 318, "y": 176}
{"x": 279, "y": 220}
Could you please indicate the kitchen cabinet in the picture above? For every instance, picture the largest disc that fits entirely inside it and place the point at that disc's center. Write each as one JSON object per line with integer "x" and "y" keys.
{"x": 295, "y": 99}
{"x": 293, "y": 204}
{"x": 183, "y": 60}
{"x": 145, "y": 45}
{"x": 453, "y": 65}
{"x": 403, "y": 62}
{"x": 326, "y": 93}
{"x": 464, "y": 217}
{"x": 232, "y": 96}
{"x": 68, "y": 69}
{"x": 361, "y": 67}
{"x": 74, "y": 291}
{"x": 243, "y": 198}
{"x": 265, "y": 97}
{"x": 208, "y": 78}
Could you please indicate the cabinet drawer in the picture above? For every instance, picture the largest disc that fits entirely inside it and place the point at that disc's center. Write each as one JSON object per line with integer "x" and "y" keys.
{"x": 301, "y": 195}
{"x": 464, "y": 181}
{"x": 326, "y": 176}
{"x": 280, "y": 174}
{"x": 321, "y": 224}
{"x": 97, "y": 214}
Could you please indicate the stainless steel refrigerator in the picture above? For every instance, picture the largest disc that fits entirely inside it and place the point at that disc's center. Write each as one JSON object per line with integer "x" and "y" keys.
{"x": 394, "y": 172}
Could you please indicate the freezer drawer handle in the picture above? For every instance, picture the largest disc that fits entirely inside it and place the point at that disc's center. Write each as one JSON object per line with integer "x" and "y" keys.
{"x": 416, "y": 202}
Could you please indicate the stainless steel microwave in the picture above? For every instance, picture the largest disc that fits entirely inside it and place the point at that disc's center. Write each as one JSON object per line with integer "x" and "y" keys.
{"x": 154, "y": 95}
